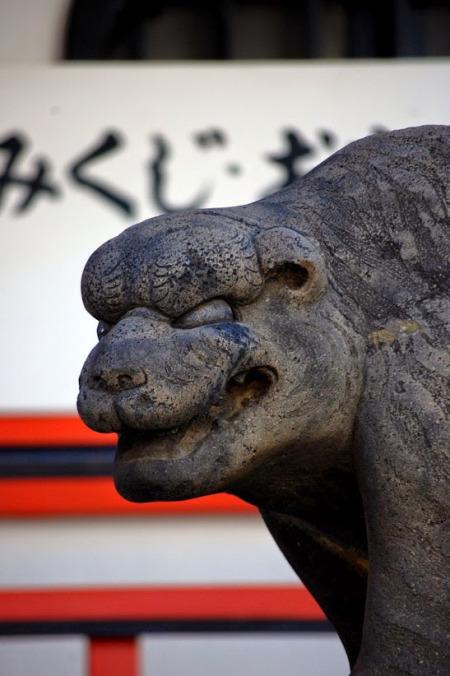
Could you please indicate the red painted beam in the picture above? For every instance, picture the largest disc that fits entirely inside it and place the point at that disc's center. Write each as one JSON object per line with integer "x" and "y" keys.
{"x": 50, "y": 430}
{"x": 113, "y": 657}
{"x": 86, "y": 496}
{"x": 160, "y": 603}
{"x": 81, "y": 496}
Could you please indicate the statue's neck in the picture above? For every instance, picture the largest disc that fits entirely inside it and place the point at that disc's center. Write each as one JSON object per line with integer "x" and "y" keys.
{"x": 315, "y": 485}
{"x": 318, "y": 522}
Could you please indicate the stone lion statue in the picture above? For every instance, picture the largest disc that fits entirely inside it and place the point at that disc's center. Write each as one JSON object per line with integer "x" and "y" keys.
{"x": 292, "y": 352}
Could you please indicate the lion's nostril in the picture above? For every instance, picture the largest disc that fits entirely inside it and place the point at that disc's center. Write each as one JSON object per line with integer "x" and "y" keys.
{"x": 125, "y": 382}
{"x": 248, "y": 386}
{"x": 117, "y": 380}
{"x": 97, "y": 382}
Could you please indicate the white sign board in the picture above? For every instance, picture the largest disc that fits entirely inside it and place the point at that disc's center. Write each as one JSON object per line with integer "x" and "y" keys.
{"x": 87, "y": 150}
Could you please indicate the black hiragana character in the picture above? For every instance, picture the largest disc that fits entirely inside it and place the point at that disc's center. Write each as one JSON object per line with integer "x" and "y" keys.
{"x": 288, "y": 160}
{"x": 158, "y": 174}
{"x": 33, "y": 185}
{"x": 108, "y": 143}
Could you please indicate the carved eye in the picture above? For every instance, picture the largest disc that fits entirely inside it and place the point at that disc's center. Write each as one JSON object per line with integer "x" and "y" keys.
{"x": 214, "y": 312}
{"x": 102, "y": 329}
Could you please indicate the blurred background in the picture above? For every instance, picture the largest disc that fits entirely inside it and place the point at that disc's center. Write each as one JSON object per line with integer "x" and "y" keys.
{"x": 114, "y": 111}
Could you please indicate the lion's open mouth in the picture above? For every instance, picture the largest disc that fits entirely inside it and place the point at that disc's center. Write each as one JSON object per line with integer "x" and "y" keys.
{"x": 162, "y": 444}
{"x": 242, "y": 390}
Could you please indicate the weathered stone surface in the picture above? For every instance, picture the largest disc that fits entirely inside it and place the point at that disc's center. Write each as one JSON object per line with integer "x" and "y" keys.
{"x": 294, "y": 352}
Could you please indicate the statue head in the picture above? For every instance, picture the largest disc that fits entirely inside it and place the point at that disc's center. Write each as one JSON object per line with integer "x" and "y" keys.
{"x": 220, "y": 348}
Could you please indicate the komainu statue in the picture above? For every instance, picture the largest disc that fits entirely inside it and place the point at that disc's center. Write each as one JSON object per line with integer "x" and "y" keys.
{"x": 293, "y": 352}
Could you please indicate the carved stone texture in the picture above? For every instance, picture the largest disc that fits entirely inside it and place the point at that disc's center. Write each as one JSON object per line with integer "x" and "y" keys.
{"x": 293, "y": 352}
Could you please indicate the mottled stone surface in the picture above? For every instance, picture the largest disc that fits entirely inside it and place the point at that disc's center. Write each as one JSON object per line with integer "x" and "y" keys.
{"x": 294, "y": 352}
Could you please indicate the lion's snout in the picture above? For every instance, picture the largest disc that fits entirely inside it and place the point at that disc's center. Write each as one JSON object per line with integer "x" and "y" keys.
{"x": 146, "y": 384}
{"x": 116, "y": 380}
{"x": 116, "y": 398}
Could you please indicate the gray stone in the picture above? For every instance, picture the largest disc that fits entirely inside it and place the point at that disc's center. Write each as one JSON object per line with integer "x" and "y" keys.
{"x": 293, "y": 352}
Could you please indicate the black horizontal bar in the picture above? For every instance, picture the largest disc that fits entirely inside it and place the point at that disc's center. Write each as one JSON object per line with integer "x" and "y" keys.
{"x": 136, "y": 627}
{"x": 56, "y": 461}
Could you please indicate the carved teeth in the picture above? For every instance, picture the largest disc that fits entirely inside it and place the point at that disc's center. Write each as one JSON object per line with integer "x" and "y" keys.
{"x": 163, "y": 433}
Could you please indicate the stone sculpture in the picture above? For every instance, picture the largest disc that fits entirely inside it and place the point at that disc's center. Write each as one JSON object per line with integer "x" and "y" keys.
{"x": 292, "y": 352}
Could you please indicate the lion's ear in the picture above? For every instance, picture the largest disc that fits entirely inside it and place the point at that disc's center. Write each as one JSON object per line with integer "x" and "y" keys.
{"x": 285, "y": 254}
